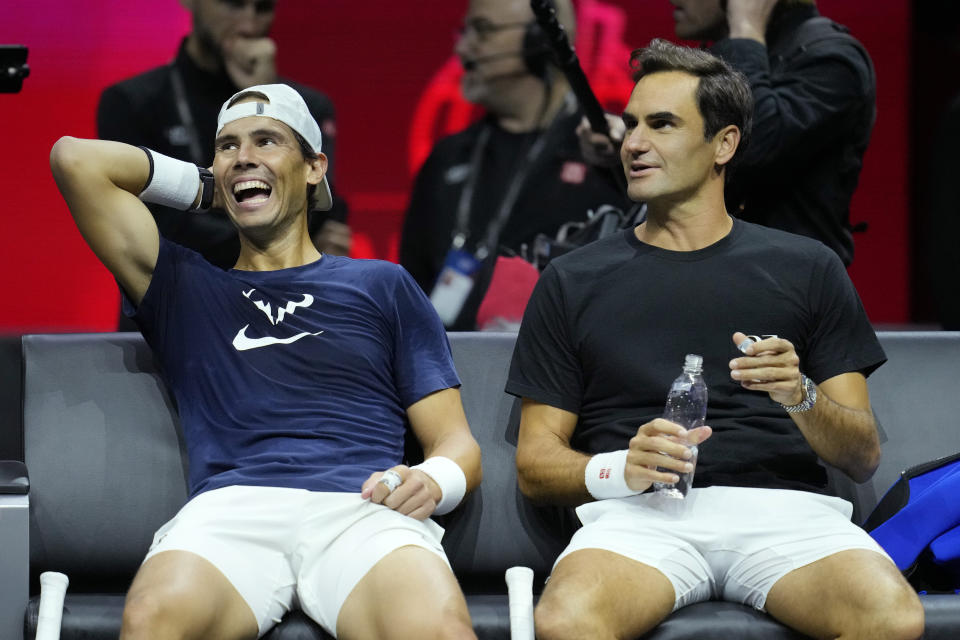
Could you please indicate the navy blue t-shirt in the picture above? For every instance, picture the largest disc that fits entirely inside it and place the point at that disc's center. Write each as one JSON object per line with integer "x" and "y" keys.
{"x": 295, "y": 378}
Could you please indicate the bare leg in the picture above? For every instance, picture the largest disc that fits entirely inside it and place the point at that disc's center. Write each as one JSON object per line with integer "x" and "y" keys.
{"x": 599, "y": 594}
{"x": 411, "y": 593}
{"x": 178, "y": 594}
{"x": 851, "y": 594}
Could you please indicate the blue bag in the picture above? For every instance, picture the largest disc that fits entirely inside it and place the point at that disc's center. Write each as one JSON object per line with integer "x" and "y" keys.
{"x": 917, "y": 522}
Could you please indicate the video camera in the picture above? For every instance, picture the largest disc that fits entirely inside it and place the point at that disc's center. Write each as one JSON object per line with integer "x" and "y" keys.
{"x": 13, "y": 67}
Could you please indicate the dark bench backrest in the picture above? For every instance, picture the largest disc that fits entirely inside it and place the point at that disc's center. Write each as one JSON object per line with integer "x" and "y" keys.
{"x": 916, "y": 399}
{"x": 102, "y": 447}
{"x": 107, "y": 466}
{"x": 496, "y": 528}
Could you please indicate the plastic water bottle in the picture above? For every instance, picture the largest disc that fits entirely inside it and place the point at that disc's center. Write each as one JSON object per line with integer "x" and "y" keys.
{"x": 687, "y": 406}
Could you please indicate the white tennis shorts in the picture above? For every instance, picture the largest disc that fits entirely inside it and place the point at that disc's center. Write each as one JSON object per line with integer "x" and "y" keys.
{"x": 729, "y": 543}
{"x": 284, "y": 548}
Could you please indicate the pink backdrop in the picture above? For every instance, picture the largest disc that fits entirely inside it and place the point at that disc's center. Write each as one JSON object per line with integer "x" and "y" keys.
{"x": 388, "y": 67}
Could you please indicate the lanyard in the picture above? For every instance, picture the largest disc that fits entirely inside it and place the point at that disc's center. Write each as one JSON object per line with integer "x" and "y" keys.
{"x": 492, "y": 234}
{"x": 186, "y": 118}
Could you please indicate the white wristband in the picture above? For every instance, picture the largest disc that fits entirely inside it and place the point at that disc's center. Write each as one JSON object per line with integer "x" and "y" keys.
{"x": 172, "y": 183}
{"x": 451, "y": 479}
{"x": 604, "y": 476}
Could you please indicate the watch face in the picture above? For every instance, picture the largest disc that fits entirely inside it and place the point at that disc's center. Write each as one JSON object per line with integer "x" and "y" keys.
{"x": 206, "y": 197}
{"x": 809, "y": 397}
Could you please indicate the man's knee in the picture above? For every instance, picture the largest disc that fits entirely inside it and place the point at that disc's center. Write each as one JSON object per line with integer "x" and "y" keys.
{"x": 565, "y": 619}
{"x": 438, "y": 625}
{"x": 147, "y": 614}
{"x": 598, "y": 594}
{"x": 455, "y": 628}
{"x": 897, "y": 615}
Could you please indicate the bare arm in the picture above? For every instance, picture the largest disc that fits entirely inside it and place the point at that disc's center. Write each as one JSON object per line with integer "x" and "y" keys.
{"x": 441, "y": 427}
{"x": 840, "y": 427}
{"x": 551, "y": 472}
{"x": 99, "y": 180}
{"x": 548, "y": 470}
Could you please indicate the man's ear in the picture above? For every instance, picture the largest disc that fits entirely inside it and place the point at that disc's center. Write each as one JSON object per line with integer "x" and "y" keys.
{"x": 727, "y": 139}
{"x": 318, "y": 169}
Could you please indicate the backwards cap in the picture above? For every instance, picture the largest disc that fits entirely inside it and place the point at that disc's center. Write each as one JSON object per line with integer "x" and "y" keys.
{"x": 286, "y": 106}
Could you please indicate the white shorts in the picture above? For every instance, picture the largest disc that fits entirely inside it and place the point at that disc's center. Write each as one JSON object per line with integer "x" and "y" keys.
{"x": 283, "y": 548}
{"x": 729, "y": 543}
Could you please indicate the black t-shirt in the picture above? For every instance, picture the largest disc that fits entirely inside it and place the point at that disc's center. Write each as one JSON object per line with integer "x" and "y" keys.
{"x": 608, "y": 326}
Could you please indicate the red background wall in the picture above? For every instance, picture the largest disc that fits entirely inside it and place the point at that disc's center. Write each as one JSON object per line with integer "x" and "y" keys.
{"x": 387, "y": 65}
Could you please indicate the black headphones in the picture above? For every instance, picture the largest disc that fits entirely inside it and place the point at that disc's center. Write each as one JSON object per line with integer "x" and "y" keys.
{"x": 536, "y": 50}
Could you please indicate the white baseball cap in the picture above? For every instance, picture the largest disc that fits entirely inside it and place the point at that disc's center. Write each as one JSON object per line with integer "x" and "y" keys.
{"x": 286, "y": 106}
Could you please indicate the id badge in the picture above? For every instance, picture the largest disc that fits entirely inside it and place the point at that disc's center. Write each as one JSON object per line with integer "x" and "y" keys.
{"x": 454, "y": 284}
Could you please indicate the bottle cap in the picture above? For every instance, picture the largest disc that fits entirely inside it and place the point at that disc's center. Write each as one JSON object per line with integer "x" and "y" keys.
{"x": 693, "y": 361}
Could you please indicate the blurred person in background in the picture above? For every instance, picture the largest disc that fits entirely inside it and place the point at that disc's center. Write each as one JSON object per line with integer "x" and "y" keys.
{"x": 485, "y": 193}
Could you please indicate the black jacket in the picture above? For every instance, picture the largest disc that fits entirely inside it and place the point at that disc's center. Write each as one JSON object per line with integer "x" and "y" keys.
{"x": 815, "y": 105}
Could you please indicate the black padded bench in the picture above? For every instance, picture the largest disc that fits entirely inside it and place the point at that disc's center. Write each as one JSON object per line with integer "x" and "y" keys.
{"x": 107, "y": 467}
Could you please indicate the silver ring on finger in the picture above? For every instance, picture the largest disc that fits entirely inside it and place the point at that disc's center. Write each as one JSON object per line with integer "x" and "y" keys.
{"x": 391, "y": 479}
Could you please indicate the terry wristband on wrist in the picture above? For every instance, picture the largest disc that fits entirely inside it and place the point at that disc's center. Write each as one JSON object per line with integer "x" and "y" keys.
{"x": 451, "y": 479}
{"x": 604, "y": 476}
{"x": 175, "y": 183}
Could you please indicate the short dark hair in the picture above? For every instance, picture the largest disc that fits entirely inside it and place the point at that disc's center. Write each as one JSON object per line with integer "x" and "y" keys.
{"x": 723, "y": 94}
{"x": 309, "y": 155}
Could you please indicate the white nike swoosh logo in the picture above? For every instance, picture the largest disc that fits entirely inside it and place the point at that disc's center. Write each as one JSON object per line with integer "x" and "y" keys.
{"x": 242, "y": 343}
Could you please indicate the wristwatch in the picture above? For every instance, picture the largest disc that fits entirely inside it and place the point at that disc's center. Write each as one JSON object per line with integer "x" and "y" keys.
{"x": 809, "y": 397}
{"x": 206, "y": 194}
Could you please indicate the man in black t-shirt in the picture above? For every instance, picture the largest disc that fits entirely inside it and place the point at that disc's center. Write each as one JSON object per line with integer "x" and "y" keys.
{"x": 606, "y": 331}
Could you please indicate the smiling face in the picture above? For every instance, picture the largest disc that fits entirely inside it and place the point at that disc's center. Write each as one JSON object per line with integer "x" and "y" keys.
{"x": 665, "y": 155}
{"x": 262, "y": 174}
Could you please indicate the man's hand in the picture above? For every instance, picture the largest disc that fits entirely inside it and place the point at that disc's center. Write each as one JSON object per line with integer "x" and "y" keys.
{"x": 598, "y": 149}
{"x": 660, "y": 443}
{"x": 771, "y": 365}
{"x": 749, "y": 18}
{"x": 416, "y": 495}
{"x": 250, "y": 61}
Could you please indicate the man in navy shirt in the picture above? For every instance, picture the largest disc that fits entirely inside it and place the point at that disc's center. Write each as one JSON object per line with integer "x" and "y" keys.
{"x": 296, "y": 375}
